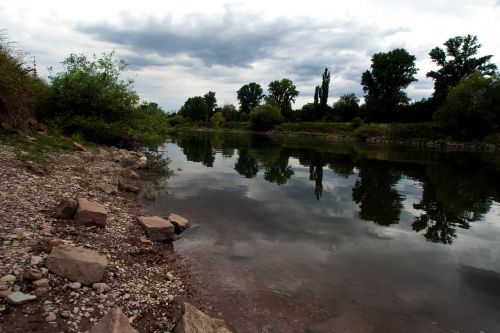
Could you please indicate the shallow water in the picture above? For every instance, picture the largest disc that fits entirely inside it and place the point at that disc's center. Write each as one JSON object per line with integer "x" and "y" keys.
{"x": 295, "y": 235}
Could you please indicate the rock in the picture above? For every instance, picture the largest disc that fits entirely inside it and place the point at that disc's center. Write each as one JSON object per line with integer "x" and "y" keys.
{"x": 78, "y": 146}
{"x": 66, "y": 314}
{"x": 90, "y": 213}
{"x": 180, "y": 223}
{"x": 194, "y": 321}
{"x": 75, "y": 285}
{"x": 5, "y": 293}
{"x": 20, "y": 298}
{"x": 114, "y": 321}
{"x": 32, "y": 274}
{"x": 41, "y": 283}
{"x": 41, "y": 291}
{"x": 36, "y": 260}
{"x": 7, "y": 279}
{"x": 156, "y": 228}
{"x": 51, "y": 317}
{"x": 128, "y": 187}
{"x": 142, "y": 163}
{"x": 134, "y": 175}
{"x": 108, "y": 188}
{"x": 66, "y": 209}
{"x": 77, "y": 264}
{"x": 100, "y": 287}
{"x": 170, "y": 276}
{"x": 76, "y": 310}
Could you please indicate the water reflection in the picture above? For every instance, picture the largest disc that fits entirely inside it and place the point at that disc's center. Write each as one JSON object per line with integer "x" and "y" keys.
{"x": 457, "y": 189}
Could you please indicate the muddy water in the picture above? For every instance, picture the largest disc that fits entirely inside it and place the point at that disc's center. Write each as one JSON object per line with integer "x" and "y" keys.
{"x": 307, "y": 236}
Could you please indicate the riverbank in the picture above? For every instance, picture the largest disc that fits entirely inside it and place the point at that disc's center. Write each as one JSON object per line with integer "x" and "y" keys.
{"x": 146, "y": 279}
{"x": 422, "y": 135}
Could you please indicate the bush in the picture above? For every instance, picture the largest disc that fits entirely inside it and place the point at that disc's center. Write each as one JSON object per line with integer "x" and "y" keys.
{"x": 366, "y": 131}
{"x": 89, "y": 98}
{"x": 357, "y": 122}
{"x": 217, "y": 118}
{"x": 22, "y": 94}
{"x": 176, "y": 120}
{"x": 264, "y": 117}
{"x": 472, "y": 108}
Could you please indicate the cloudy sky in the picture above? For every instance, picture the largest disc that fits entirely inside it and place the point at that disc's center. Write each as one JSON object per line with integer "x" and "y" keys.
{"x": 178, "y": 49}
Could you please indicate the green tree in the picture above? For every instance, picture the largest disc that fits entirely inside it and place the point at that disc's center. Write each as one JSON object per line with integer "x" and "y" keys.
{"x": 211, "y": 102}
{"x": 229, "y": 112}
{"x": 472, "y": 108}
{"x": 347, "y": 107}
{"x": 264, "y": 117}
{"x": 217, "y": 118}
{"x": 390, "y": 73}
{"x": 195, "y": 108}
{"x": 250, "y": 95}
{"x": 456, "y": 62}
{"x": 283, "y": 92}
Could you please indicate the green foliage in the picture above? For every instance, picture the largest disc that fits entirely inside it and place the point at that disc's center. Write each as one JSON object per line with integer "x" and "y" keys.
{"x": 456, "y": 62}
{"x": 250, "y": 95}
{"x": 22, "y": 94}
{"x": 229, "y": 112}
{"x": 282, "y": 92}
{"x": 217, "y": 118}
{"x": 195, "y": 109}
{"x": 347, "y": 107}
{"x": 211, "y": 102}
{"x": 90, "y": 98}
{"x": 356, "y": 122}
{"x": 176, "y": 120}
{"x": 472, "y": 108}
{"x": 264, "y": 117}
{"x": 366, "y": 131}
{"x": 390, "y": 73}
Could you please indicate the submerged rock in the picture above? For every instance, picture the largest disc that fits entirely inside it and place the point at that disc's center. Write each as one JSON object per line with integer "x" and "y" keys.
{"x": 77, "y": 264}
{"x": 180, "y": 223}
{"x": 196, "y": 321}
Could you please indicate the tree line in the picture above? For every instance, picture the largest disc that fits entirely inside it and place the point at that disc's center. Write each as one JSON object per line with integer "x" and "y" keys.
{"x": 465, "y": 101}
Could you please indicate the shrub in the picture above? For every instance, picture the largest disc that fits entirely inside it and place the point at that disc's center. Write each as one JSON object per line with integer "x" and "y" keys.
{"x": 217, "y": 118}
{"x": 264, "y": 117}
{"x": 176, "y": 120}
{"x": 366, "y": 131}
{"x": 472, "y": 108}
{"x": 357, "y": 122}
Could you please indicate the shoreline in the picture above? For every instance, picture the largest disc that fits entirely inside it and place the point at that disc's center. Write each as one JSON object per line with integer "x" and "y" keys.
{"x": 148, "y": 280}
{"x": 446, "y": 145}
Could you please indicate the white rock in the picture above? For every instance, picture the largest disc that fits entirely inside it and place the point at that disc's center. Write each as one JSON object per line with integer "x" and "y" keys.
{"x": 7, "y": 279}
{"x": 75, "y": 285}
{"x": 51, "y": 317}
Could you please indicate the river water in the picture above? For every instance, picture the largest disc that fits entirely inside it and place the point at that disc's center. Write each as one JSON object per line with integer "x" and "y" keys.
{"x": 302, "y": 235}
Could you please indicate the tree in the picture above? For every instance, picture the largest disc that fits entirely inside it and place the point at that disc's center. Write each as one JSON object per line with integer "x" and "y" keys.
{"x": 250, "y": 95}
{"x": 456, "y": 62}
{"x": 390, "y": 73}
{"x": 211, "y": 102}
{"x": 195, "y": 108}
{"x": 229, "y": 112}
{"x": 325, "y": 87}
{"x": 472, "y": 108}
{"x": 283, "y": 93}
{"x": 217, "y": 118}
{"x": 347, "y": 107}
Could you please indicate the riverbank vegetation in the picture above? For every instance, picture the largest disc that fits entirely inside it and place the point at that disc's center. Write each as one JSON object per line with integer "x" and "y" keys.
{"x": 464, "y": 105}
{"x": 88, "y": 100}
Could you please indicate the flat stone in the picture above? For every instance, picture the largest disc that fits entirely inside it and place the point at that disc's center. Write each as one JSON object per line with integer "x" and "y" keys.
{"x": 66, "y": 209}
{"x": 65, "y": 314}
{"x": 90, "y": 213}
{"x": 8, "y": 278}
{"x": 108, "y": 188}
{"x": 41, "y": 291}
{"x": 156, "y": 228}
{"x": 114, "y": 321}
{"x": 100, "y": 287}
{"x": 41, "y": 283}
{"x": 195, "y": 321}
{"x": 77, "y": 264}
{"x": 32, "y": 274}
{"x": 180, "y": 223}
{"x": 20, "y": 298}
{"x": 78, "y": 146}
{"x": 75, "y": 285}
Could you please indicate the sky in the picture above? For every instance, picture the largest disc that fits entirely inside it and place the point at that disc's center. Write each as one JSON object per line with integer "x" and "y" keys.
{"x": 179, "y": 49}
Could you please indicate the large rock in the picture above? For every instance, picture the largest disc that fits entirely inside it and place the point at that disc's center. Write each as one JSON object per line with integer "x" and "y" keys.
{"x": 196, "y": 321}
{"x": 114, "y": 321}
{"x": 90, "y": 213}
{"x": 156, "y": 228}
{"x": 66, "y": 209}
{"x": 108, "y": 188}
{"x": 180, "y": 223}
{"x": 77, "y": 264}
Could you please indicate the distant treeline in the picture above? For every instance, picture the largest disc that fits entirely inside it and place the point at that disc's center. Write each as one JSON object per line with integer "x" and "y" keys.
{"x": 465, "y": 103}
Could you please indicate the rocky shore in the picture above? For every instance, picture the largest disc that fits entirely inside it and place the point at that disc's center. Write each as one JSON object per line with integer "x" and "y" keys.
{"x": 75, "y": 266}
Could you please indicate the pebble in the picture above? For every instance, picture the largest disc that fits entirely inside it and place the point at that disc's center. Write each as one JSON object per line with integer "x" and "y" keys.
{"x": 36, "y": 260}
{"x": 75, "y": 285}
{"x": 66, "y": 314}
{"x": 8, "y": 279}
{"x": 51, "y": 317}
{"x": 76, "y": 310}
{"x": 20, "y": 298}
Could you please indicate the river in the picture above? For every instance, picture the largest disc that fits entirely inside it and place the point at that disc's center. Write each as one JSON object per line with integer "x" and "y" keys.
{"x": 304, "y": 235}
